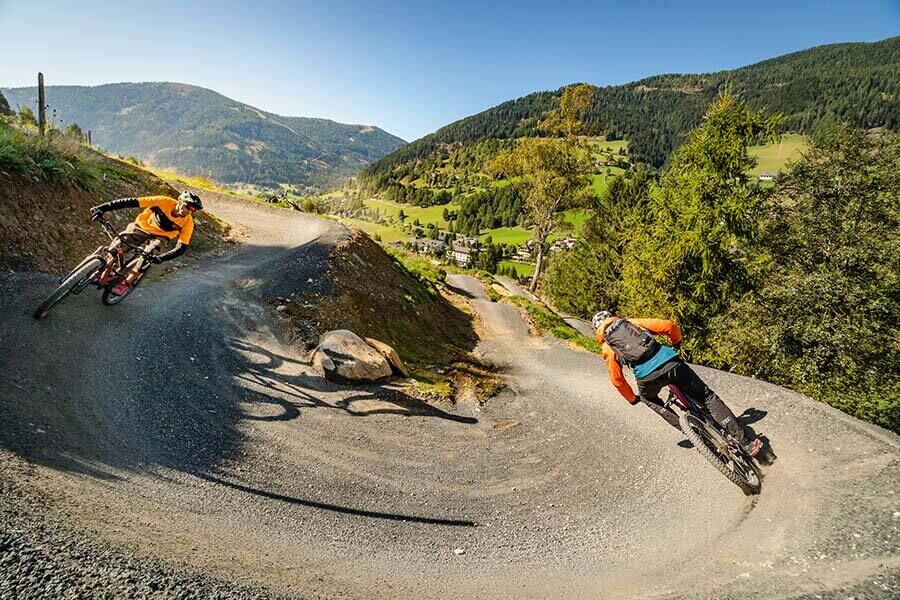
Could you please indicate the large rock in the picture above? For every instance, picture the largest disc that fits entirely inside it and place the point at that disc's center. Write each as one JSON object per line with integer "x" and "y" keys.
{"x": 344, "y": 356}
{"x": 391, "y": 355}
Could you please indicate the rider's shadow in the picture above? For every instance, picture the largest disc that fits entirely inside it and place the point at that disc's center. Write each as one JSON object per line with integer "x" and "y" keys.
{"x": 754, "y": 415}
{"x": 751, "y": 415}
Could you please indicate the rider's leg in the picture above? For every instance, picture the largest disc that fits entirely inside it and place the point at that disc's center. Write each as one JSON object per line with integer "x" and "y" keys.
{"x": 139, "y": 263}
{"x": 693, "y": 386}
{"x": 649, "y": 390}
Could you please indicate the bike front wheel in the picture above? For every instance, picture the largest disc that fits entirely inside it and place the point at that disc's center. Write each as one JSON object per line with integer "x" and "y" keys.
{"x": 74, "y": 279}
{"x": 725, "y": 455}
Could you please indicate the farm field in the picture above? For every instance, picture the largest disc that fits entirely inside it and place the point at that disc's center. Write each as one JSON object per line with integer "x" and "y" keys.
{"x": 522, "y": 269}
{"x": 520, "y": 235}
{"x": 427, "y": 214}
{"x": 773, "y": 157}
{"x": 387, "y": 233}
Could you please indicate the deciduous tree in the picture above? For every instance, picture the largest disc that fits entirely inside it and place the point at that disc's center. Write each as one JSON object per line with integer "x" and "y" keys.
{"x": 550, "y": 174}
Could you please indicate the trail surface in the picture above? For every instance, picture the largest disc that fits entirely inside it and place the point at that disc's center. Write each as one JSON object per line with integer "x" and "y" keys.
{"x": 180, "y": 442}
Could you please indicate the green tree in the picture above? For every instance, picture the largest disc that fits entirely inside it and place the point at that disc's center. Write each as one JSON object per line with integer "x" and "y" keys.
{"x": 687, "y": 261}
{"x": 589, "y": 277}
{"x": 825, "y": 315}
{"x": 550, "y": 175}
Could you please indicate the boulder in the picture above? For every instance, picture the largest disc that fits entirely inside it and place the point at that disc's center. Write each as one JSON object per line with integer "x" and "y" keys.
{"x": 343, "y": 356}
{"x": 391, "y": 355}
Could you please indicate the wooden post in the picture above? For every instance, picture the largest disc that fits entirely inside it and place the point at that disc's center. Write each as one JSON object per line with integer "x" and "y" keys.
{"x": 42, "y": 117}
{"x": 89, "y": 138}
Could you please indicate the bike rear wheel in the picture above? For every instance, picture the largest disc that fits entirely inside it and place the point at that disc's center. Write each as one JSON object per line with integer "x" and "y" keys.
{"x": 733, "y": 463}
{"x": 77, "y": 277}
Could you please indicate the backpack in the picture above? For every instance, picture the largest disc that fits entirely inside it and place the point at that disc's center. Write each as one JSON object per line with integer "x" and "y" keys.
{"x": 632, "y": 344}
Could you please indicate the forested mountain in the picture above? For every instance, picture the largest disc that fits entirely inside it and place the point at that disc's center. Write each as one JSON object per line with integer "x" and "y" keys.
{"x": 858, "y": 83}
{"x": 198, "y": 131}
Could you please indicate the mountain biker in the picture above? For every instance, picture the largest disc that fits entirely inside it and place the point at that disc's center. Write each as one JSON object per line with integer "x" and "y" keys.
{"x": 630, "y": 342}
{"x": 163, "y": 218}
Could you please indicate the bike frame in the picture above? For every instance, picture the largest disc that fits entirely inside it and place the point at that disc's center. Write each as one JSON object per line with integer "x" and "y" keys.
{"x": 683, "y": 401}
{"x": 114, "y": 258}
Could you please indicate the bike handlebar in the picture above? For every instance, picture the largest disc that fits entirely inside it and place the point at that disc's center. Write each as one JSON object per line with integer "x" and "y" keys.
{"x": 111, "y": 232}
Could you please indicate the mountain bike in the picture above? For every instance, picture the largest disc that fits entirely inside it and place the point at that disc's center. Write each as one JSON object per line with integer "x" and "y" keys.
{"x": 714, "y": 443}
{"x": 106, "y": 267}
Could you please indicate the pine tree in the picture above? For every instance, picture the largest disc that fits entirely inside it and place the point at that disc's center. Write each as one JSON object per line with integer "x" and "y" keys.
{"x": 687, "y": 260}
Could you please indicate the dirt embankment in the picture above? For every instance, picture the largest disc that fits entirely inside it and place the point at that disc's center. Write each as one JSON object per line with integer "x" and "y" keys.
{"x": 373, "y": 295}
{"x": 46, "y": 227}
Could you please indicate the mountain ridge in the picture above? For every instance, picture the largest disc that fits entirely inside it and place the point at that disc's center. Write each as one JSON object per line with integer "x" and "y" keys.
{"x": 196, "y": 130}
{"x": 855, "y": 81}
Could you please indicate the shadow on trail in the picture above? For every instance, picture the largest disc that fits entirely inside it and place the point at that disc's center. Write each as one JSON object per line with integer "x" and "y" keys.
{"x": 169, "y": 380}
{"x": 260, "y": 379}
{"x": 753, "y": 415}
{"x": 333, "y": 507}
{"x": 460, "y": 291}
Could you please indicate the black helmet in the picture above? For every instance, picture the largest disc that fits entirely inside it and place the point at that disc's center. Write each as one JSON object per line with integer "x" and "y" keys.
{"x": 191, "y": 199}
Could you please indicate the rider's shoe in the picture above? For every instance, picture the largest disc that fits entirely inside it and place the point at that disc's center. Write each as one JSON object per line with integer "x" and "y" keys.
{"x": 753, "y": 447}
{"x": 121, "y": 288}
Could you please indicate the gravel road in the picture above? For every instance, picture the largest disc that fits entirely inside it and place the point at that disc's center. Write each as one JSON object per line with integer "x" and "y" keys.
{"x": 179, "y": 444}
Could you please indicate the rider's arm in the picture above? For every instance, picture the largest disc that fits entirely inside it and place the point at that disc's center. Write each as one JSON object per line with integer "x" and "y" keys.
{"x": 187, "y": 230}
{"x": 160, "y": 201}
{"x": 116, "y": 204}
{"x": 660, "y": 327}
{"x": 616, "y": 376}
{"x": 175, "y": 252}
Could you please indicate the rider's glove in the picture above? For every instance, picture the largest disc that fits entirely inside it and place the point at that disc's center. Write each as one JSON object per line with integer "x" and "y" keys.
{"x": 96, "y": 213}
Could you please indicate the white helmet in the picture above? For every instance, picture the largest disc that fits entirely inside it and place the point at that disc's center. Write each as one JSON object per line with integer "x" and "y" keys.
{"x": 191, "y": 199}
{"x": 598, "y": 319}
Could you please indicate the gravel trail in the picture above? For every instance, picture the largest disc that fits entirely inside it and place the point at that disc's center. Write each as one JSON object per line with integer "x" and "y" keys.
{"x": 179, "y": 444}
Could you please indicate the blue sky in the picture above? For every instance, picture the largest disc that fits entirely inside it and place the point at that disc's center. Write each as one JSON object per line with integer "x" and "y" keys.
{"x": 408, "y": 67}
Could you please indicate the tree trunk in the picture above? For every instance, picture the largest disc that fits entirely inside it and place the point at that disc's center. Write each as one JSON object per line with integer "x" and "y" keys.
{"x": 537, "y": 267}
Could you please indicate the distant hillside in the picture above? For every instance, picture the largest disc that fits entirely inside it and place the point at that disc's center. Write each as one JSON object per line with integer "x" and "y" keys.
{"x": 858, "y": 82}
{"x": 198, "y": 131}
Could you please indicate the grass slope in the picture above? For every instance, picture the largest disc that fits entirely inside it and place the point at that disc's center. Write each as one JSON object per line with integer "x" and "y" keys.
{"x": 773, "y": 157}
{"x": 46, "y": 190}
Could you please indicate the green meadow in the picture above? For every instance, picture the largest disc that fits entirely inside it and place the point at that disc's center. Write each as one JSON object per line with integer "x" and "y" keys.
{"x": 772, "y": 158}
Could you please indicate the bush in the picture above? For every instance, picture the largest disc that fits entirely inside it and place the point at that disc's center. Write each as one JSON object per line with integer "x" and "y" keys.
{"x": 824, "y": 316}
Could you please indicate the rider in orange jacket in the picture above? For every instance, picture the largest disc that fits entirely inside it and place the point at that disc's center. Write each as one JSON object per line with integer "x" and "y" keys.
{"x": 655, "y": 366}
{"x": 162, "y": 218}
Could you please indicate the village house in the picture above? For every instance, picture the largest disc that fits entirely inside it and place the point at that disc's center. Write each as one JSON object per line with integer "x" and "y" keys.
{"x": 523, "y": 254}
{"x": 461, "y": 255}
{"x": 435, "y": 247}
{"x": 567, "y": 243}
